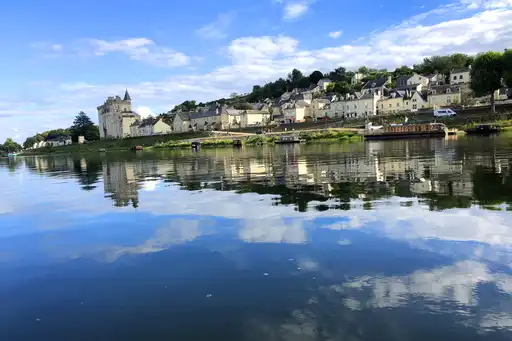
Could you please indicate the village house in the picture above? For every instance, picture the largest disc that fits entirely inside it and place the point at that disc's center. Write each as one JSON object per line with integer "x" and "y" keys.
{"x": 356, "y": 78}
{"x": 356, "y": 105}
{"x": 115, "y": 116}
{"x": 296, "y": 111}
{"x": 181, "y": 123}
{"x": 459, "y": 76}
{"x": 376, "y": 86}
{"x": 134, "y": 128}
{"x": 393, "y": 104}
{"x": 230, "y": 118}
{"x": 418, "y": 100}
{"x": 402, "y": 81}
{"x": 323, "y": 84}
{"x": 154, "y": 126}
{"x": 443, "y": 95}
{"x": 252, "y": 118}
{"x": 418, "y": 79}
{"x": 57, "y": 141}
{"x": 320, "y": 107}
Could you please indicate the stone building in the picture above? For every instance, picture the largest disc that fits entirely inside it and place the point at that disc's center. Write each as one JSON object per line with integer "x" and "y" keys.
{"x": 115, "y": 116}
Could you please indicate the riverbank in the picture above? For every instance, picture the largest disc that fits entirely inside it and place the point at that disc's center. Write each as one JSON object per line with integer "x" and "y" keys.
{"x": 115, "y": 145}
{"x": 254, "y": 140}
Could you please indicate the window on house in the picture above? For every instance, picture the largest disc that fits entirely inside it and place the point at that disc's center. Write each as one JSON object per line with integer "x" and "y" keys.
{"x": 398, "y": 104}
{"x": 448, "y": 100}
{"x": 448, "y": 90}
{"x": 460, "y": 77}
{"x": 433, "y": 92}
{"x": 390, "y": 105}
{"x": 414, "y": 100}
{"x": 454, "y": 78}
{"x": 414, "y": 106}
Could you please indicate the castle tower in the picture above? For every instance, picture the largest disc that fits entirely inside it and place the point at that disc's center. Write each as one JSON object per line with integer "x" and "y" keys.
{"x": 127, "y": 96}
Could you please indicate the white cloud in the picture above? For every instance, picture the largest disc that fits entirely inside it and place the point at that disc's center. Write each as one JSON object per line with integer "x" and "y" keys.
{"x": 295, "y": 10}
{"x": 335, "y": 34}
{"x": 141, "y": 49}
{"x": 218, "y": 28}
{"x": 144, "y": 112}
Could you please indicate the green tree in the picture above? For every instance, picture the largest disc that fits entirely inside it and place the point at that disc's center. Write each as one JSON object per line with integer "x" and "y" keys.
{"x": 29, "y": 142}
{"x": 486, "y": 75}
{"x": 315, "y": 77}
{"x": 403, "y": 70}
{"x": 243, "y": 106}
{"x": 507, "y": 68}
{"x": 185, "y": 106}
{"x": 11, "y": 146}
{"x": 83, "y": 126}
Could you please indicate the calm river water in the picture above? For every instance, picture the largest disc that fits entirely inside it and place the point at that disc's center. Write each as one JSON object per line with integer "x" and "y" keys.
{"x": 395, "y": 240}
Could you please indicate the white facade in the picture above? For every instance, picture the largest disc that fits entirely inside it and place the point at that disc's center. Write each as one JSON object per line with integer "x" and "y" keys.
{"x": 460, "y": 76}
{"x": 418, "y": 79}
{"x": 115, "y": 116}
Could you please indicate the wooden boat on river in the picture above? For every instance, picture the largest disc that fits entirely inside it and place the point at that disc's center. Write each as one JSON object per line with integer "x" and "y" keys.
{"x": 401, "y": 131}
{"x": 483, "y": 129}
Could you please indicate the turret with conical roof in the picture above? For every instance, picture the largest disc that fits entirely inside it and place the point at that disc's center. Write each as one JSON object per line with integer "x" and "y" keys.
{"x": 127, "y": 96}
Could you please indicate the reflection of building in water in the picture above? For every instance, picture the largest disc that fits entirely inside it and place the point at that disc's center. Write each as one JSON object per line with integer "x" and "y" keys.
{"x": 119, "y": 180}
{"x": 49, "y": 164}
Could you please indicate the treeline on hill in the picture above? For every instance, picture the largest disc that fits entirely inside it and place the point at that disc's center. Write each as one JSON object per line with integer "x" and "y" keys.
{"x": 340, "y": 77}
{"x": 82, "y": 126}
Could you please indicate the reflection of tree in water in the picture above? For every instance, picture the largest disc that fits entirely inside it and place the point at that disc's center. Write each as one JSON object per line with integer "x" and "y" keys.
{"x": 490, "y": 187}
{"x": 89, "y": 176}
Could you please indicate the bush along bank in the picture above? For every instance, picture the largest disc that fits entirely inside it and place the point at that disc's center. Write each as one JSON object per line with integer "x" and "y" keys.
{"x": 330, "y": 135}
{"x": 255, "y": 140}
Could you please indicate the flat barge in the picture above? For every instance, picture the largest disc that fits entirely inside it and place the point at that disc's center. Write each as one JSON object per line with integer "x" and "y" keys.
{"x": 404, "y": 131}
{"x": 483, "y": 129}
{"x": 287, "y": 139}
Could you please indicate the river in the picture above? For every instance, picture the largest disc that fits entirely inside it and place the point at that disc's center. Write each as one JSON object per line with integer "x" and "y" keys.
{"x": 393, "y": 240}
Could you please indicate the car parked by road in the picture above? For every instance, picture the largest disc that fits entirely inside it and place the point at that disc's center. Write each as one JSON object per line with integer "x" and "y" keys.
{"x": 444, "y": 113}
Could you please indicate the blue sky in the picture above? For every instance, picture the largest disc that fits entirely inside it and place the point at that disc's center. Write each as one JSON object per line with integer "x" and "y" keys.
{"x": 61, "y": 57}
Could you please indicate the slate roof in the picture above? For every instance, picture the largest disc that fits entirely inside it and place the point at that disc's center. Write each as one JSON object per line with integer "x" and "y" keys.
{"x": 203, "y": 114}
{"x": 57, "y": 138}
{"x": 443, "y": 89}
{"x": 402, "y": 80}
{"x": 376, "y": 83}
{"x": 465, "y": 69}
{"x": 408, "y": 87}
{"x": 135, "y": 124}
{"x": 150, "y": 121}
{"x": 301, "y": 104}
{"x": 127, "y": 96}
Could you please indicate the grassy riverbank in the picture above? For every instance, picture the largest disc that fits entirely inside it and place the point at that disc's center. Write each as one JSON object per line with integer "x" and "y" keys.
{"x": 117, "y": 144}
{"x": 308, "y": 137}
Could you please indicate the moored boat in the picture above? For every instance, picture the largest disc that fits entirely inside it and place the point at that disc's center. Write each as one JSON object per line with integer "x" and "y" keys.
{"x": 483, "y": 129}
{"x": 401, "y": 131}
{"x": 287, "y": 139}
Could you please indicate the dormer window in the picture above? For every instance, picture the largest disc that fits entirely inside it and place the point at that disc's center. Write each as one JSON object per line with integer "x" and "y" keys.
{"x": 433, "y": 92}
{"x": 448, "y": 90}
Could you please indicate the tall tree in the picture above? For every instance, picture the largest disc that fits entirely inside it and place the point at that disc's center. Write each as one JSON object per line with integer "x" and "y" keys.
{"x": 486, "y": 75}
{"x": 11, "y": 146}
{"x": 83, "y": 126}
{"x": 507, "y": 68}
{"x": 315, "y": 76}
